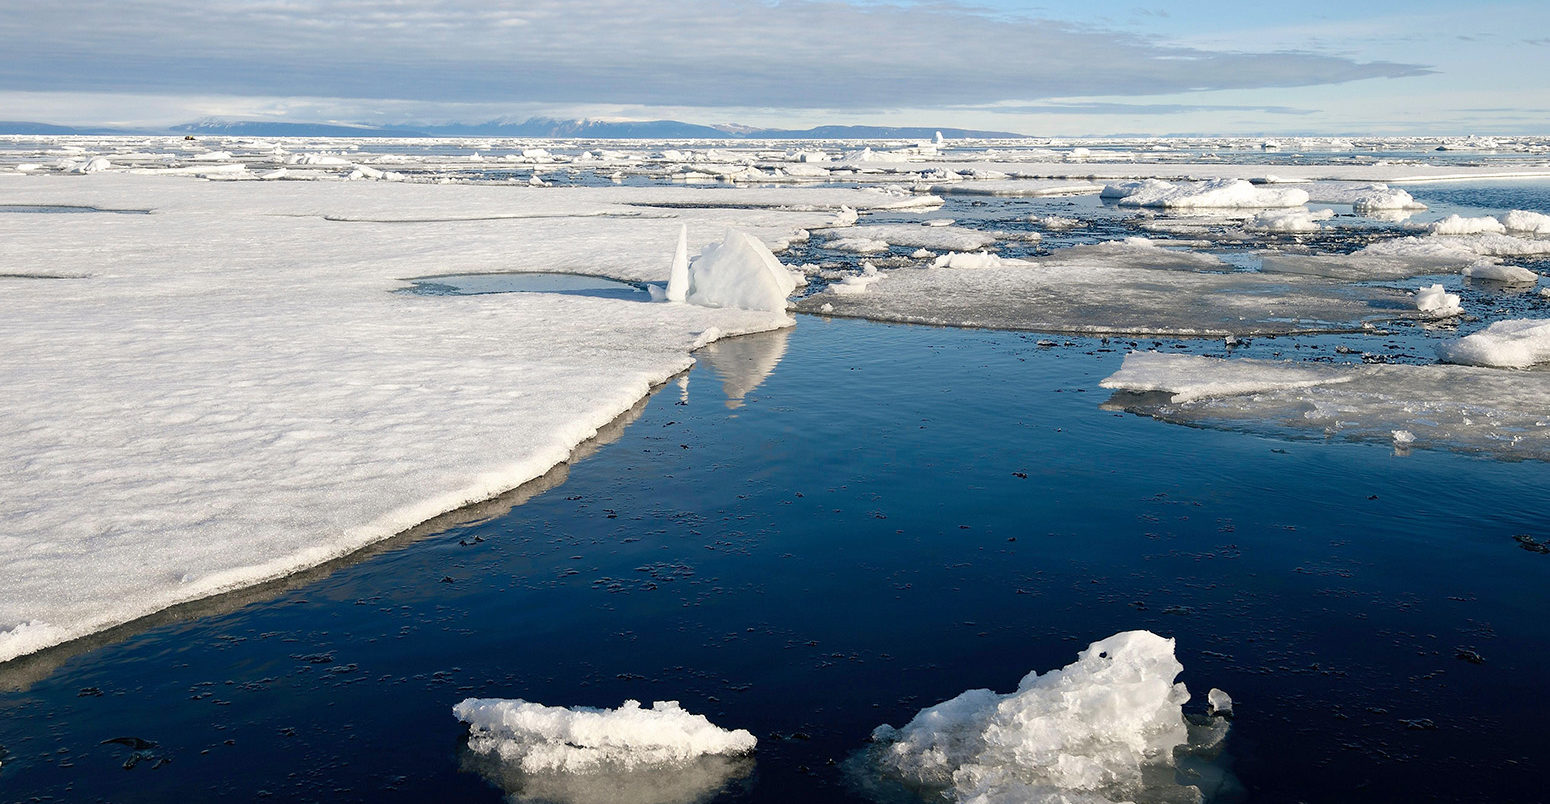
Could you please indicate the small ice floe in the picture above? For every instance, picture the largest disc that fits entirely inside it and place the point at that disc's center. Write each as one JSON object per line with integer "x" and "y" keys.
{"x": 1108, "y": 727}
{"x": 857, "y": 245}
{"x": 1526, "y": 222}
{"x": 1191, "y": 377}
{"x": 1515, "y": 343}
{"x": 1496, "y": 272}
{"x": 1288, "y": 220}
{"x": 1459, "y": 225}
{"x": 1403, "y": 438}
{"x": 854, "y": 285}
{"x": 1215, "y": 194}
{"x": 660, "y": 755}
{"x": 1218, "y": 703}
{"x": 1437, "y": 301}
{"x": 1380, "y": 198}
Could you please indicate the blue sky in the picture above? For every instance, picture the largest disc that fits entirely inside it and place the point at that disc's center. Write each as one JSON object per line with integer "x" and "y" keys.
{"x": 1052, "y": 68}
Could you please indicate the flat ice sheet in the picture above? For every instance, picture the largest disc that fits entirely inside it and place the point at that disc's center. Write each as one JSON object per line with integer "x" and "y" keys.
{"x": 1499, "y": 412}
{"x": 1114, "y": 288}
{"x": 230, "y": 392}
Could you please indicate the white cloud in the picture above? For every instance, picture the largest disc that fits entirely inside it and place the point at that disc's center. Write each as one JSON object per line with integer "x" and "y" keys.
{"x": 691, "y": 53}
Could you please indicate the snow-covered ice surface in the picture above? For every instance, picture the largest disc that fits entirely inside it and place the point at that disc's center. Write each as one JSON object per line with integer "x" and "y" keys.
{"x": 1460, "y": 408}
{"x": 1106, "y": 728}
{"x": 1134, "y": 287}
{"x": 230, "y": 391}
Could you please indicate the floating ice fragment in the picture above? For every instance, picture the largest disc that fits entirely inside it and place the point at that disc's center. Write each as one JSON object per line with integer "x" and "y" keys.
{"x": 1523, "y": 221}
{"x": 1515, "y": 343}
{"x": 582, "y": 739}
{"x": 1458, "y": 225}
{"x": 1218, "y": 703}
{"x": 96, "y": 164}
{"x": 1403, "y": 438}
{"x": 1215, "y": 194}
{"x": 1104, "y": 728}
{"x": 1434, "y": 299}
{"x": 1288, "y": 220}
{"x": 739, "y": 272}
{"x": 1494, "y": 272}
{"x": 1192, "y": 377}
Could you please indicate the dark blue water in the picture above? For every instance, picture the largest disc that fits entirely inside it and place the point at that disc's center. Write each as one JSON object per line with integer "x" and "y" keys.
{"x": 896, "y": 514}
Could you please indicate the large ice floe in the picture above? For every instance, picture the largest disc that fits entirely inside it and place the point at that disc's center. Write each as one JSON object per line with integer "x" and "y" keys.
{"x": 227, "y": 390}
{"x": 1131, "y": 287}
{"x": 1109, "y": 727}
{"x": 1213, "y": 194}
{"x": 1460, "y": 408}
{"x": 656, "y": 755}
{"x": 1518, "y": 343}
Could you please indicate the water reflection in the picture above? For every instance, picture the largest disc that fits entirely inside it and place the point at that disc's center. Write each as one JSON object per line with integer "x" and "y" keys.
{"x": 744, "y": 362}
{"x": 698, "y": 781}
{"x": 561, "y": 283}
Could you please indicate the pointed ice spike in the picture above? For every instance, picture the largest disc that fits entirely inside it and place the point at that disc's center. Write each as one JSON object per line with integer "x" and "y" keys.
{"x": 678, "y": 278}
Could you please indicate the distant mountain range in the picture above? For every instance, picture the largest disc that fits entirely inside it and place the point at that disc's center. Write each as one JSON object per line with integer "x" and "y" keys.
{"x": 536, "y": 127}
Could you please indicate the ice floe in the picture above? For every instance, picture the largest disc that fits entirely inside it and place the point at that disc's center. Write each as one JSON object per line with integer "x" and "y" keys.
{"x": 1487, "y": 411}
{"x": 1120, "y": 287}
{"x": 1516, "y": 343}
{"x": 1213, "y": 194}
{"x": 582, "y": 739}
{"x": 1108, "y": 727}
{"x": 1457, "y": 225}
{"x": 1438, "y": 301}
{"x": 1524, "y": 221}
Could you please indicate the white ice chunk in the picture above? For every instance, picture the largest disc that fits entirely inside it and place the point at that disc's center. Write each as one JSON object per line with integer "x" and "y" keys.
{"x": 1434, "y": 299}
{"x": 1458, "y": 225}
{"x": 540, "y": 738}
{"x": 977, "y": 261}
{"x": 739, "y": 272}
{"x": 1214, "y": 194}
{"x": 96, "y": 164}
{"x": 1288, "y": 220}
{"x": 1191, "y": 377}
{"x": 1095, "y": 730}
{"x": 1496, "y": 272}
{"x": 1523, "y": 221}
{"x": 1515, "y": 343}
{"x": 1218, "y": 703}
{"x": 1403, "y": 438}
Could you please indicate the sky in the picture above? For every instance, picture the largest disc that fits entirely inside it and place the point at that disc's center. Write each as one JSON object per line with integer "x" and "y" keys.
{"x": 1055, "y": 68}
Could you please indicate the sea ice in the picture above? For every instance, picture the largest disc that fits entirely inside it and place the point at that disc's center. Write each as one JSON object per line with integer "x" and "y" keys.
{"x": 1213, "y": 194}
{"x": 1120, "y": 287}
{"x": 1496, "y": 272}
{"x": 1523, "y": 221}
{"x": 1458, "y": 225}
{"x": 739, "y": 272}
{"x": 1288, "y": 220}
{"x": 1516, "y": 343}
{"x": 1104, "y": 728}
{"x": 1462, "y": 408}
{"x": 1437, "y": 301}
{"x": 538, "y": 738}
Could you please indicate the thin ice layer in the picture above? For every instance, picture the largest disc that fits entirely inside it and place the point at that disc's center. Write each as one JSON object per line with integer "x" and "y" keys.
{"x": 1104, "y": 728}
{"x": 1459, "y": 408}
{"x": 1132, "y": 287}
{"x": 537, "y": 738}
{"x": 233, "y": 392}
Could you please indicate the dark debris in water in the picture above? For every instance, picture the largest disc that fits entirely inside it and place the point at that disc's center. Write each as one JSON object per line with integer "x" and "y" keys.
{"x": 1531, "y": 544}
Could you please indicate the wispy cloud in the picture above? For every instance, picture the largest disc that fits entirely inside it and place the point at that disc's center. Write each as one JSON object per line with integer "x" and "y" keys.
{"x": 1111, "y": 108}
{"x": 700, "y": 53}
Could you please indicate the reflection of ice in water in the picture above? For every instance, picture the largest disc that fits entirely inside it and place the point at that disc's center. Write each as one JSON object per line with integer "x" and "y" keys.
{"x": 743, "y": 363}
{"x": 696, "y": 781}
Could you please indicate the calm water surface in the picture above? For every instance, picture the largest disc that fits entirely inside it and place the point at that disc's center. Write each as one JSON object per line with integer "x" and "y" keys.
{"x": 894, "y": 515}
